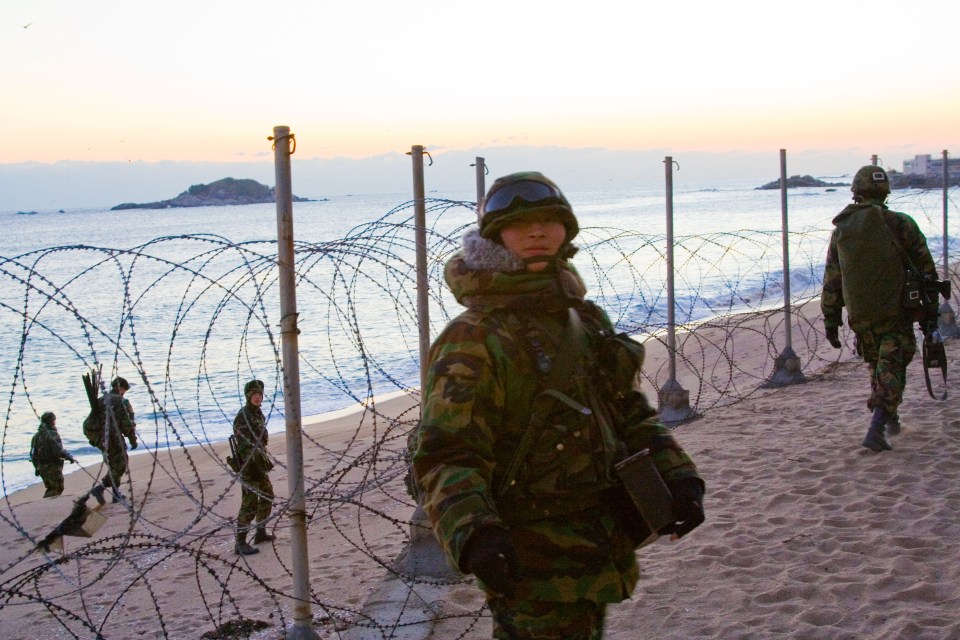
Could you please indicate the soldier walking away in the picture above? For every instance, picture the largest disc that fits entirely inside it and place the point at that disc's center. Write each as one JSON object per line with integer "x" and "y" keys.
{"x": 117, "y": 427}
{"x": 870, "y": 249}
{"x": 47, "y": 455}
{"x": 256, "y": 491}
{"x": 530, "y": 402}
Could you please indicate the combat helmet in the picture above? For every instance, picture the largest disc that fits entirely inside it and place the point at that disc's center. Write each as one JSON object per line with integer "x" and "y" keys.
{"x": 252, "y": 387}
{"x": 871, "y": 181}
{"x": 119, "y": 383}
{"x": 517, "y": 194}
{"x": 48, "y": 418}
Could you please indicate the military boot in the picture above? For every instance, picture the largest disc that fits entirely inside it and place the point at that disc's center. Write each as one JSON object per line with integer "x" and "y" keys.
{"x": 241, "y": 548}
{"x": 262, "y": 536}
{"x": 875, "y": 440}
{"x": 117, "y": 496}
{"x": 97, "y": 492}
{"x": 893, "y": 425}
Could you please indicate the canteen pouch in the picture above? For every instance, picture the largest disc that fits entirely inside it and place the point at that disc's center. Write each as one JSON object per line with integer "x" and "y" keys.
{"x": 648, "y": 493}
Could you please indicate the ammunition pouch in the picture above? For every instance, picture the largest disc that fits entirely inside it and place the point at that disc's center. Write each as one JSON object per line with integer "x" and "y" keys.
{"x": 912, "y": 295}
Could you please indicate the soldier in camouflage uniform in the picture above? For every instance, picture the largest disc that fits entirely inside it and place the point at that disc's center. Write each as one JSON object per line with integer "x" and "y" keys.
{"x": 540, "y": 521}
{"x": 869, "y": 250}
{"x": 47, "y": 455}
{"x": 256, "y": 491}
{"x": 119, "y": 427}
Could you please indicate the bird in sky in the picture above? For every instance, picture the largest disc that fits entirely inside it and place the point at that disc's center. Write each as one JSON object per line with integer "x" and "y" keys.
{"x": 27, "y": 25}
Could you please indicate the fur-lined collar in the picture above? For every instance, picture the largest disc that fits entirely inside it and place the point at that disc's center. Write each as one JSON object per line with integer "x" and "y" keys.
{"x": 480, "y": 254}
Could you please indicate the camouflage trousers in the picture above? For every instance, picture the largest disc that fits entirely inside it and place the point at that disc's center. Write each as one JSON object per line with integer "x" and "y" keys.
{"x": 888, "y": 353}
{"x": 52, "y": 475}
{"x": 117, "y": 460}
{"x": 256, "y": 499}
{"x": 530, "y": 620}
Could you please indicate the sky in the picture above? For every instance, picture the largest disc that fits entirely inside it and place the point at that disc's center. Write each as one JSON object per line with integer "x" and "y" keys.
{"x": 191, "y": 89}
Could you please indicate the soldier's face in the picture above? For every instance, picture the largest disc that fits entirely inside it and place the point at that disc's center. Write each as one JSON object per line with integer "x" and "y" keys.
{"x": 534, "y": 235}
{"x": 256, "y": 398}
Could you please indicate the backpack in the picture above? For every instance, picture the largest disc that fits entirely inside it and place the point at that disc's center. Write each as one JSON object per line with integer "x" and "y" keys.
{"x": 93, "y": 423}
{"x": 93, "y": 426}
{"x": 873, "y": 273}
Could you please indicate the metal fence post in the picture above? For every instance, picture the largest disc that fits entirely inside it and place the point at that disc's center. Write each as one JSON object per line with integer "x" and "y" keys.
{"x": 420, "y": 235}
{"x": 673, "y": 400}
{"x": 481, "y": 172}
{"x": 423, "y": 555}
{"x": 947, "y": 320}
{"x": 786, "y": 368}
{"x": 283, "y": 145}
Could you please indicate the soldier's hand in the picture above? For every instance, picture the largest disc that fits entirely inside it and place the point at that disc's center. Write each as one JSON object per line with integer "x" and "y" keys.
{"x": 133, "y": 442}
{"x": 833, "y": 337}
{"x": 491, "y": 556}
{"x": 687, "y": 506}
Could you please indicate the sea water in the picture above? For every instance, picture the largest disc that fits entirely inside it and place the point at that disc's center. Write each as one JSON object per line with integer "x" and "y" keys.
{"x": 184, "y": 302}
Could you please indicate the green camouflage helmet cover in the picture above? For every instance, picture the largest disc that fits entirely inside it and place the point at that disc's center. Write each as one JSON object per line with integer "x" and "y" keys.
{"x": 491, "y": 223}
{"x": 48, "y": 417}
{"x": 254, "y": 386}
{"x": 871, "y": 181}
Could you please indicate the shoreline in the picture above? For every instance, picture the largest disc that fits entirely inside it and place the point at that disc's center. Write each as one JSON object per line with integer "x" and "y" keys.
{"x": 807, "y": 532}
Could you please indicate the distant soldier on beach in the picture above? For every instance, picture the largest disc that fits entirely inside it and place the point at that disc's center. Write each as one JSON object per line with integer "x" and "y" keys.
{"x": 117, "y": 426}
{"x": 47, "y": 455}
{"x": 870, "y": 249}
{"x": 530, "y": 401}
{"x": 250, "y": 439}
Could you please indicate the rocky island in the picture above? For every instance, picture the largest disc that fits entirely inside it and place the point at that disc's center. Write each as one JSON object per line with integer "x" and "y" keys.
{"x": 803, "y": 181}
{"x": 897, "y": 181}
{"x": 227, "y": 191}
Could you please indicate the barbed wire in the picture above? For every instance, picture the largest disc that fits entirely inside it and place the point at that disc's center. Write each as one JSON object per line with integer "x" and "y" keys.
{"x": 190, "y": 318}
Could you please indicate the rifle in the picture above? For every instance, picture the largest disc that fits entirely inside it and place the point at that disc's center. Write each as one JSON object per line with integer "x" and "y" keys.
{"x": 91, "y": 383}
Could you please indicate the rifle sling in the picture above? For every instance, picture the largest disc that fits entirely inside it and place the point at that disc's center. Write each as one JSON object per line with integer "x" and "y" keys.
{"x": 561, "y": 370}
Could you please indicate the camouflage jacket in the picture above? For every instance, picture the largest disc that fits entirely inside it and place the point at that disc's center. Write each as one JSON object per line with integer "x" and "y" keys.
{"x": 250, "y": 429}
{"x": 866, "y": 281}
{"x": 482, "y": 382}
{"x": 46, "y": 447}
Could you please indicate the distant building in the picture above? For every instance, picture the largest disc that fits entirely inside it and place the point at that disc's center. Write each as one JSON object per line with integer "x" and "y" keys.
{"x": 927, "y": 165}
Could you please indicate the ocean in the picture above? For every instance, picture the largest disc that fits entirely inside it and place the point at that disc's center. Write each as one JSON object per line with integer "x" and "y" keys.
{"x": 184, "y": 302}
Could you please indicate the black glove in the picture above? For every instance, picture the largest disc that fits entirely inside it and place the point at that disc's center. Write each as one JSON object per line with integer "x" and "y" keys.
{"x": 133, "y": 441}
{"x": 833, "y": 336}
{"x": 491, "y": 556}
{"x": 687, "y": 505}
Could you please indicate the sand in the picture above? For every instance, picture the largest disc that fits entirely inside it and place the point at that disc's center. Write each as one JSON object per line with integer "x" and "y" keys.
{"x": 808, "y": 535}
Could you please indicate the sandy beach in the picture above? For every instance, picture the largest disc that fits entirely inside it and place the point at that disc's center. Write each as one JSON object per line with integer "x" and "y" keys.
{"x": 808, "y": 535}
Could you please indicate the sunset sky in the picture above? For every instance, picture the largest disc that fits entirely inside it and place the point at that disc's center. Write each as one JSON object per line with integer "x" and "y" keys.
{"x": 206, "y": 81}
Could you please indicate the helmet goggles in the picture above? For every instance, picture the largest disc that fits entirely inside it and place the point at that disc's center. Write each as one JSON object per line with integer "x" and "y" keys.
{"x": 529, "y": 192}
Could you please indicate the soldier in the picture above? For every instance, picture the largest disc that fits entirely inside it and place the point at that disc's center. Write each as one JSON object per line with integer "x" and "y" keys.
{"x": 118, "y": 427}
{"x": 47, "y": 455}
{"x": 870, "y": 248}
{"x": 529, "y": 402}
{"x": 256, "y": 491}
